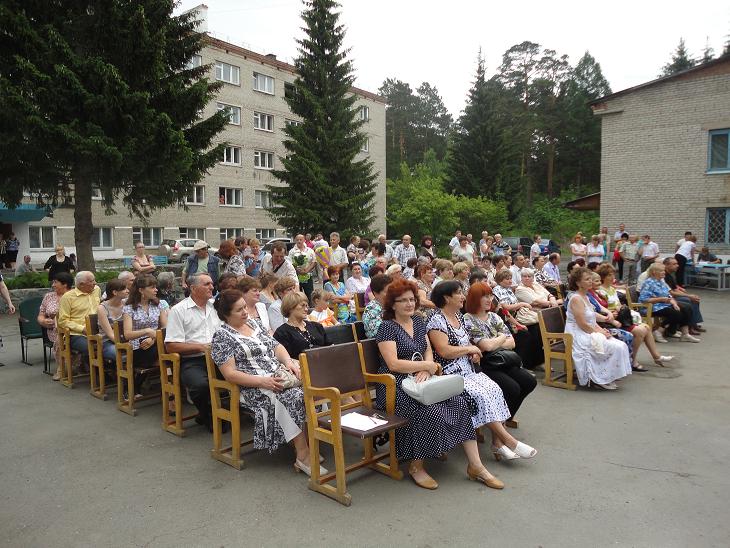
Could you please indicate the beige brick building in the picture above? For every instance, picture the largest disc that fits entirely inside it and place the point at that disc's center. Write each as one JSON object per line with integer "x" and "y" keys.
{"x": 665, "y": 157}
{"x": 232, "y": 198}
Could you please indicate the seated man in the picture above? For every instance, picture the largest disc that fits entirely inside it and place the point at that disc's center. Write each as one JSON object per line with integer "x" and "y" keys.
{"x": 671, "y": 266}
{"x": 24, "y": 267}
{"x": 190, "y": 327}
{"x": 705, "y": 256}
{"x": 73, "y": 308}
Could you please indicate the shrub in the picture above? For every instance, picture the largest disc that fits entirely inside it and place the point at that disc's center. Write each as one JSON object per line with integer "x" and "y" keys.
{"x": 32, "y": 280}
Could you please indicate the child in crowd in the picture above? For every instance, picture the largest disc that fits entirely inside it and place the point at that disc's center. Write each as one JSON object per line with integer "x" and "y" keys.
{"x": 409, "y": 269}
{"x": 322, "y": 313}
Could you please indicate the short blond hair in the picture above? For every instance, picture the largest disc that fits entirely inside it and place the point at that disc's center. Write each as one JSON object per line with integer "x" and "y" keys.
{"x": 460, "y": 267}
{"x": 291, "y": 301}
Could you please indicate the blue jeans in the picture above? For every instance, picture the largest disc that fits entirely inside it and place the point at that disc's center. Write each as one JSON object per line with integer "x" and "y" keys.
{"x": 80, "y": 345}
{"x": 108, "y": 351}
{"x": 696, "y": 314}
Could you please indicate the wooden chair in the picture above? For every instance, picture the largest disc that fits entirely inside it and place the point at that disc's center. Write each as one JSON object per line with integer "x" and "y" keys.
{"x": 66, "y": 355}
{"x": 126, "y": 372}
{"x": 359, "y": 329}
{"x": 632, "y": 301}
{"x": 94, "y": 340}
{"x": 28, "y": 324}
{"x": 47, "y": 349}
{"x": 329, "y": 373}
{"x": 340, "y": 334}
{"x": 359, "y": 305}
{"x": 171, "y": 389}
{"x": 221, "y": 390}
{"x": 557, "y": 345}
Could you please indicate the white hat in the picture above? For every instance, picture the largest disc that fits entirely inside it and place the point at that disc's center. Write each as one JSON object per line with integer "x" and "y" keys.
{"x": 200, "y": 244}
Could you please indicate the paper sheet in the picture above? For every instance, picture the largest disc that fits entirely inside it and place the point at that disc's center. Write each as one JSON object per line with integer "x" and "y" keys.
{"x": 358, "y": 421}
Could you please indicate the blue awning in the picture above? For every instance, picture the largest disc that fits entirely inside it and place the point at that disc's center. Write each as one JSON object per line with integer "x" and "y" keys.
{"x": 24, "y": 213}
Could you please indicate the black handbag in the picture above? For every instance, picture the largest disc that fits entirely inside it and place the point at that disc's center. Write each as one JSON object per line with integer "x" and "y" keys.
{"x": 624, "y": 317}
{"x": 500, "y": 359}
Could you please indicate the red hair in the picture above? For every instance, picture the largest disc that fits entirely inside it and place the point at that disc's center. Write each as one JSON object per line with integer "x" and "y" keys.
{"x": 395, "y": 290}
{"x": 474, "y": 297}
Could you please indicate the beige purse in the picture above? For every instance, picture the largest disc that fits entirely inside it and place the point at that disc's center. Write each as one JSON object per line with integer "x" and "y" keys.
{"x": 288, "y": 379}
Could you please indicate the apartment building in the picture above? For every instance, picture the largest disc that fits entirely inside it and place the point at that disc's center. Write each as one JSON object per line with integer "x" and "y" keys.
{"x": 232, "y": 199}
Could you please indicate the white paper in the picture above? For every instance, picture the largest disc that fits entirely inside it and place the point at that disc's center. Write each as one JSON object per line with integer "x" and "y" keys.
{"x": 358, "y": 421}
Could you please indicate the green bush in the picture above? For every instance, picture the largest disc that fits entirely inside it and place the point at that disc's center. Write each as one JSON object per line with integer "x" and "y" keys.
{"x": 32, "y": 280}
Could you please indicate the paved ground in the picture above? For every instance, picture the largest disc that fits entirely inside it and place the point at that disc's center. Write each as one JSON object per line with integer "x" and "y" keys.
{"x": 643, "y": 466}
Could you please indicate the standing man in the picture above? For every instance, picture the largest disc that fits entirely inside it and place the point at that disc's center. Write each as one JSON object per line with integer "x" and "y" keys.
{"x": 404, "y": 251}
{"x": 535, "y": 250}
{"x": 277, "y": 264}
{"x": 73, "y": 308}
{"x": 649, "y": 252}
{"x": 621, "y": 230}
{"x": 455, "y": 240}
{"x": 339, "y": 255}
{"x": 201, "y": 261}
{"x": 190, "y": 327}
{"x": 630, "y": 254}
{"x": 303, "y": 259}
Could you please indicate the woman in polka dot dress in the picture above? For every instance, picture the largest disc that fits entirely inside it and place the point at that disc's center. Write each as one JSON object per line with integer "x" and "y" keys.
{"x": 454, "y": 351}
{"x": 432, "y": 430}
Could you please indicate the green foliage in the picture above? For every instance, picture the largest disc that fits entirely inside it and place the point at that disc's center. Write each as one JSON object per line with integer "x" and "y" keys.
{"x": 418, "y": 205}
{"x": 327, "y": 187}
{"x": 31, "y": 280}
{"x": 97, "y": 94}
{"x": 681, "y": 60}
{"x": 548, "y": 217}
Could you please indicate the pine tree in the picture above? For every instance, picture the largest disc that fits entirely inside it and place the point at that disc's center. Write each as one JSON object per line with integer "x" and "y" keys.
{"x": 98, "y": 94}
{"x": 326, "y": 186}
{"x": 681, "y": 60}
{"x": 708, "y": 54}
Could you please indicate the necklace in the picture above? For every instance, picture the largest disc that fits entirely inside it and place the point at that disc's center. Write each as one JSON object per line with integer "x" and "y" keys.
{"x": 303, "y": 333}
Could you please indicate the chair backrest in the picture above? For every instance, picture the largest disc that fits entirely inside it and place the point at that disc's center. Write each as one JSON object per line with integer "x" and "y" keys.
{"x": 335, "y": 366}
{"x": 92, "y": 324}
{"x": 360, "y": 334}
{"x": 118, "y": 327}
{"x": 340, "y": 334}
{"x": 371, "y": 355}
{"x": 28, "y": 317}
{"x": 552, "y": 319}
{"x": 632, "y": 294}
{"x": 161, "y": 341}
{"x": 360, "y": 300}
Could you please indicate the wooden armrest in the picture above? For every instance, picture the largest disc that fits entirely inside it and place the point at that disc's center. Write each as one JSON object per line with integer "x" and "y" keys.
{"x": 561, "y": 336}
{"x": 388, "y": 381}
{"x": 331, "y": 393}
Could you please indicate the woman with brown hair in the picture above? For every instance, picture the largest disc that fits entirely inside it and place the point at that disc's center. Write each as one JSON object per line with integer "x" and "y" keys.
{"x": 230, "y": 255}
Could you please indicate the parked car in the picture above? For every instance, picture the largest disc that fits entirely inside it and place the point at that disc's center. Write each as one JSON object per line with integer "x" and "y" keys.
{"x": 522, "y": 245}
{"x": 177, "y": 251}
{"x": 287, "y": 241}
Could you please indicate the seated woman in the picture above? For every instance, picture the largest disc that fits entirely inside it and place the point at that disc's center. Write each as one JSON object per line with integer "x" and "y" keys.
{"x": 374, "y": 271}
{"x": 110, "y": 311}
{"x": 247, "y": 356}
{"x": 298, "y": 334}
{"x": 165, "y": 282}
{"x": 453, "y": 350}
{"x": 543, "y": 278}
{"x": 142, "y": 316}
{"x": 227, "y": 280}
{"x": 267, "y": 295}
{"x": 340, "y": 295}
{"x": 432, "y": 430}
{"x": 321, "y": 311}
{"x": 424, "y": 281}
{"x": 444, "y": 271}
{"x": 251, "y": 289}
{"x": 372, "y": 316}
{"x": 60, "y": 284}
{"x": 526, "y": 329}
{"x": 461, "y": 275}
{"x": 597, "y": 357}
{"x": 492, "y": 336}
{"x": 675, "y": 315}
{"x": 357, "y": 283}
{"x": 283, "y": 287}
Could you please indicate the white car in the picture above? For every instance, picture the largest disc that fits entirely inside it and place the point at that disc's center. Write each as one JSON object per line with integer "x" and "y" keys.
{"x": 178, "y": 251}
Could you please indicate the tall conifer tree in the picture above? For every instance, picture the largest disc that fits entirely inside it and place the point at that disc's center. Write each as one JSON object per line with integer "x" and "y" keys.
{"x": 681, "y": 60}
{"x": 327, "y": 187}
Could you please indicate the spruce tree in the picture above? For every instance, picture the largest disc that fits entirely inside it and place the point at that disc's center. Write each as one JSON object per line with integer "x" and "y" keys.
{"x": 681, "y": 60}
{"x": 99, "y": 94}
{"x": 327, "y": 187}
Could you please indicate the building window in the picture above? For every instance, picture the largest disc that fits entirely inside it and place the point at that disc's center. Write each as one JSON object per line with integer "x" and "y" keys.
{"x": 230, "y": 233}
{"x": 41, "y": 237}
{"x": 293, "y": 122}
{"x": 150, "y": 237}
{"x": 263, "y": 83}
{"x": 234, "y": 113}
{"x": 718, "y": 226}
{"x": 364, "y": 113}
{"x": 192, "y": 233}
{"x": 719, "y": 153}
{"x": 195, "y": 62}
{"x": 101, "y": 238}
{"x": 264, "y": 122}
{"x": 263, "y": 199}
{"x": 196, "y": 195}
{"x": 289, "y": 90}
{"x": 365, "y": 145}
{"x": 265, "y": 233}
{"x": 232, "y": 156}
{"x": 263, "y": 160}
{"x": 95, "y": 193}
{"x": 230, "y": 197}
{"x": 227, "y": 73}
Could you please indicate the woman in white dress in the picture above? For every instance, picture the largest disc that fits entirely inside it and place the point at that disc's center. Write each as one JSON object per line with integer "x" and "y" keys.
{"x": 597, "y": 357}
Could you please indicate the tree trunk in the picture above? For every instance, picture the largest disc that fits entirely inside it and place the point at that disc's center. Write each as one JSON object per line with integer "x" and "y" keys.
{"x": 83, "y": 226}
{"x": 550, "y": 168}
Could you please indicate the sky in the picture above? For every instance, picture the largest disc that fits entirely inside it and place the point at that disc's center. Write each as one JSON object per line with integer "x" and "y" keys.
{"x": 437, "y": 42}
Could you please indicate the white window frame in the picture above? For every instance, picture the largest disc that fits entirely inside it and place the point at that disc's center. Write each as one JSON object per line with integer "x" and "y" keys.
{"x": 230, "y": 233}
{"x": 270, "y": 233}
{"x": 365, "y": 113}
{"x": 149, "y": 236}
{"x": 289, "y": 122}
{"x": 231, "y": 156}
{"x": 234, "y": 113}
{"x": 263, "y": 159}
{"x": 43, "y": 232}
{"x": 191, "y": 233}
{"x": 105, "y": 237}
{"x": 233, "y": 76}
{"x": 196, "y": 196}
{"x": 366, "y": 145}
{"x": 194, "y": 62}
{"x": 262, "y": 199}
{"x": 232, "y": 197}
{"x": 261, "y": 81}
{"x": 263, "y": 121}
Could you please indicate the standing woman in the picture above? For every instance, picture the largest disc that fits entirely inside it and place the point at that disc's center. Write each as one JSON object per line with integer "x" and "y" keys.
{"x": 427, "y": 250}
{"x": 11, "y": 250}
{"x": 432, "y": 430}
{"x": 593, "y": 364}
{"x": 58, "y": 263}
{"x": 110, "y": 311}
{"x": 49, "y": 310}
{"x": 578, "y": 249}
{"x": 453, "y": 350}
{"x": 141, "y": 263}
{"x": 232, "y": 257}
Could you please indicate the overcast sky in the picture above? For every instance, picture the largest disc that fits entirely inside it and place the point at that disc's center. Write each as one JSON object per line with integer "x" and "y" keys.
{"x": 437, "y": 41}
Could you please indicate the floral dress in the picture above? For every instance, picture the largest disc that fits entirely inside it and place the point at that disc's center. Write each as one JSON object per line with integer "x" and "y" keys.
{"x": 372, "y": 317}
{"x": 236, "y": 265}
{"x": 486, "y": 396}
{"x": 279, "y": 416}
{"x": 432, "y": 430}
{"x": 343, "y": 309}
{"x": 49, "y": 308}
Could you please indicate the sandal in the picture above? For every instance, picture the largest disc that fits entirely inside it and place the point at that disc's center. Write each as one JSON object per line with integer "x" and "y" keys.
{"x": 504, "y": 452}
{"x": 638, "y": 368}
{"x": 525, "y": 451}
{"x": 661, "y": 360}
{"x": 484, "y": 476}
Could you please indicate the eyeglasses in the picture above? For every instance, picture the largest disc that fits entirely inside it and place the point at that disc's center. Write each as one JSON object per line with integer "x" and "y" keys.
{"x": 412, "y": 300}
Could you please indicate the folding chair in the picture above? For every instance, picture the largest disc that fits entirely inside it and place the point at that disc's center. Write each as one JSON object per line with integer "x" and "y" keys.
{"x": 28, "y": 324}
{"x": 632, "y": 301}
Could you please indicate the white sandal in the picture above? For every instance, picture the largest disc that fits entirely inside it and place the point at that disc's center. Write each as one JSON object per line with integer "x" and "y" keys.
{"x": 525, "y": 451}
{"x": 504, "y": 452}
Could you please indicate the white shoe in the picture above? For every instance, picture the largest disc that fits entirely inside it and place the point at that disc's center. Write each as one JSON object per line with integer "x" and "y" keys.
{"x": 661, "y": 360}
{"x": 658, "y": 337}
{"x": 525, "y": 451}
{"x": 609, "y": 386}
{"x": 301, "y": 467}
{"x": 677, "y": 335}
{"x": 690, "y": 338}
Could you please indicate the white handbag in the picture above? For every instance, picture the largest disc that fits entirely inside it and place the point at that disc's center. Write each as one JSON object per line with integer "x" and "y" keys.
{"x": 434, "y": 389}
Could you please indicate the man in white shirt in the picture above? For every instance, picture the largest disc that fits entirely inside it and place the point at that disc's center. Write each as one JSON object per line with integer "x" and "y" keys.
{"x": 535, "y": 250}
{"x": 190, "y": 327}
{"x": 551, "y": 267}
{"x": 649, "y": 252}
{"x": 303, "y": 260}
{"x": 681, "y": 241}
{"x": 278, "y": 264}
{"x": 621, "y": 231}
{"x": 516, "y": 269}
{"x": 339, "y": 255}
{"x": 404, "y": 251}
{"x": 388, "y": 248}
{"x": 455, "y": 240}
